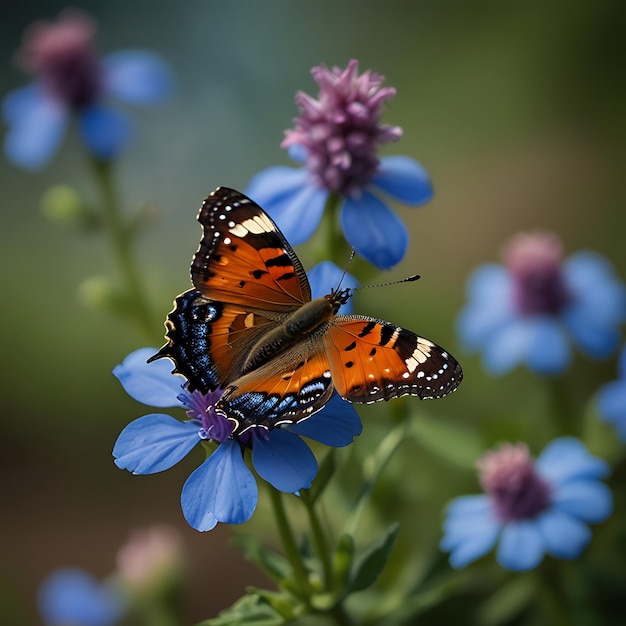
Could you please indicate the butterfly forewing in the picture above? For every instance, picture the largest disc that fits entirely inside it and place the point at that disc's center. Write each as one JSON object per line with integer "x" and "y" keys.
{"x": 374, "y": 360}
{"x": 243, "y": 257}
{"x": 208, "y": 340}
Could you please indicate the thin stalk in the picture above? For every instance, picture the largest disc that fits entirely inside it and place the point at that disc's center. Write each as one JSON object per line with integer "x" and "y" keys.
{"x": 120, "y": 238}
{"x": 319, "y": 539}
{"x": 289, "y": 545}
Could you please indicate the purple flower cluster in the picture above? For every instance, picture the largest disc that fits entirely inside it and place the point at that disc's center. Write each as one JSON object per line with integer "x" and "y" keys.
{"x": 336, "y": 138}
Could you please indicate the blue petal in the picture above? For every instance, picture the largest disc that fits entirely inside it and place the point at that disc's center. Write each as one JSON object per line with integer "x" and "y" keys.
{"x": 73, "y": 596}
{"x": 284, "y": 461}
{"x": 564, "y": 536}
{"x": 470, "y": 530}
{"x": 589, "y": 500}
{"x": 374, "y": 231}
{"x": 597, "y": 339}
{"x": 291, "y": 201}
{"x": 149, "y": 383}
{"x": 137, "y": 76}
{"x": 611, "y": 402}
{"x": 337, "y": 424}
{"x": 326, "y": 276}
{"x": 565, "y": 459}
{"x": 521, "y": 546}
{"x": 37, "y": 124}
{"x": 489, "y": 306}
{"x": 404, "y": 179}
{"x": 222, "y": 489}
{"x": 154, "y": 443}
{"x": 106, "y": 131}
{"x": 539, "y": 342}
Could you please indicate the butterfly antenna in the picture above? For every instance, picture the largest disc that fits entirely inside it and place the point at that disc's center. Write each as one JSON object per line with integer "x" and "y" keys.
{"x": 408, "y": 279}
{"x": 345, "y": 269}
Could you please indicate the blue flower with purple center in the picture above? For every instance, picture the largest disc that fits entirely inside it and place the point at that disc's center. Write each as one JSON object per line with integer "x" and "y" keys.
{"x": 531, "y": 309}
{"x": 530, "y": 508}
{"x": 336, "y": 138}
{"x": 611, "y": 400}
{"x": 222, "y": 489}
{"x": 73, "y": 596}
{"x": 71, "y": 80}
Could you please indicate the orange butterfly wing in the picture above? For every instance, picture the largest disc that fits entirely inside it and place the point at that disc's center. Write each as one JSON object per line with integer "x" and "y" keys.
{"x": 279, "y": 392}
{"x": 208, "y": 340}
{"x": 243, "y": 257}
{"x": 374, "y": 360}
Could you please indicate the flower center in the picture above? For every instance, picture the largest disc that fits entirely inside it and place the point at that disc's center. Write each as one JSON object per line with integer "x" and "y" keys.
{"x": 63, "y": 58}
{"x": 535, "y": 264}
{"x": 509, "y": 477}
{"x": 340, "y": 131}
{"x": 201, "y": 407}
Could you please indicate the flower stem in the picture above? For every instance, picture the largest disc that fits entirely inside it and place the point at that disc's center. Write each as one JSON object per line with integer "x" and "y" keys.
{"x": 289, "y": 544}
{"x": 121, "y": 240}
{"x": 319, "y": 538}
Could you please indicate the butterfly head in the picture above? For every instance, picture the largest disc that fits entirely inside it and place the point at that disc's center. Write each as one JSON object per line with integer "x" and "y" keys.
{"x": 338, "y": 297}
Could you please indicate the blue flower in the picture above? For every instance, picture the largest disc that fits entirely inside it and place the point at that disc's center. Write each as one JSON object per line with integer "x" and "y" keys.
{"x": 73, "y": 596}
{"x": 222, "y": 489}
{"x": 611, "y": 400}
{"x": 71, "y": 80}
{"x": 530, "y": 508}
{"x": 336, "y": 137}
{"x": 529, "y": 310}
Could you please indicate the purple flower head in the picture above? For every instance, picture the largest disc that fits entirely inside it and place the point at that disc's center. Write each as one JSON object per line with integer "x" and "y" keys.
{"x": 336, "y": 137}
{"x": 532, "y": 308}
{"x": 70, "y": 79}
{"x": 611, "y": 400}
{"x": 530, "y": 508}
{"x": 73, "y": 596}
{"x": 340, "y": 131}
{"x": 222, "y": 489}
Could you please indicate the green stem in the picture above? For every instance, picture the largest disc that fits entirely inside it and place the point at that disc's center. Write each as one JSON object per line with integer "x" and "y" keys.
{"x": 319, "y": 538}
{"x": 563, "y": 418}
{"x": 289, "y": 545}
{"x": 376, "y": 464}
{"x": 119, "y": 235}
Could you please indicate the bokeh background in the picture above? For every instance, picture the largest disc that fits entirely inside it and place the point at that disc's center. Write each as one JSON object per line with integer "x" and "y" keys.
{"x": 516, "y": 110}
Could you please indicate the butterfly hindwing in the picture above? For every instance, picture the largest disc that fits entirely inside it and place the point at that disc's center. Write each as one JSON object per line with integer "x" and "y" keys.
{"x": 274, "y": 394}
{"x": 243, "y": 257}
{"x": 374, "y": 360}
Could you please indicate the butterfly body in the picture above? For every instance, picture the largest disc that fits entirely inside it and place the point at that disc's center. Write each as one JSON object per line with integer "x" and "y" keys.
{"x": 251, "y": 328}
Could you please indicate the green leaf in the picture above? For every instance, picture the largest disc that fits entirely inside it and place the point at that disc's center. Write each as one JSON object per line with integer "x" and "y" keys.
{"x": 324, "y": 474}
{"x": 371, "y": 563}
{"x": 250, "y": 609}
{"x": 452, "y": 442}
{"x": 274, "y": 565}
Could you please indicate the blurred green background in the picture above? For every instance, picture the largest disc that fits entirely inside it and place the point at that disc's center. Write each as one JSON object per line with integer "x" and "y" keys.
{"x": 517, "y": 111}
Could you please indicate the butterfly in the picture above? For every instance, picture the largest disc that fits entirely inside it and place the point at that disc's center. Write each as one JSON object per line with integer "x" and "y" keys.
{"x": 250, "y": 328}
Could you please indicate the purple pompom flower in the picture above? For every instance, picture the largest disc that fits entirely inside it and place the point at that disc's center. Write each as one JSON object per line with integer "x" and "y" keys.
{"x": 337, "y": 137}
